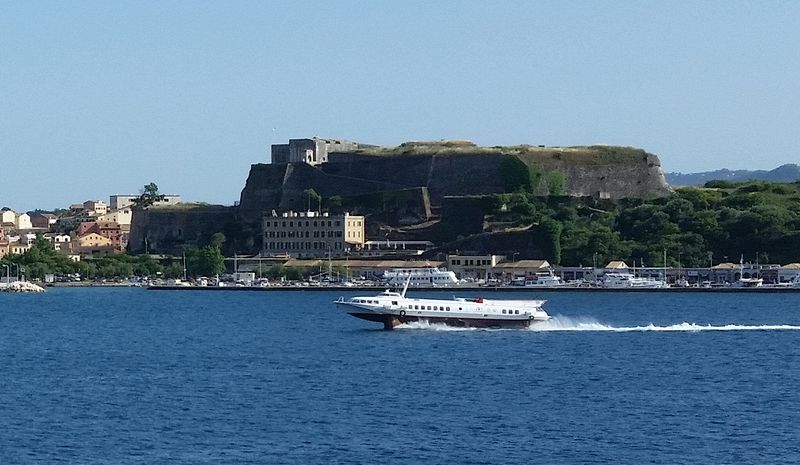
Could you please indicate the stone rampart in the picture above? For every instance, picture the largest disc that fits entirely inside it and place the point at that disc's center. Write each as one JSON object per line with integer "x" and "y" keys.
{"x": 166, "y": 230}
{"x": 605, "y": 172}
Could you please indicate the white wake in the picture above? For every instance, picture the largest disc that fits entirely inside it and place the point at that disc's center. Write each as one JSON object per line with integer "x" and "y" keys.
{"x": 564, "y": 323}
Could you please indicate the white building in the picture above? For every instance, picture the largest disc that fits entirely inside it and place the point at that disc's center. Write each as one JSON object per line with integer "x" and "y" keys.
{"x": 95, "y": 207}
{"x": 122, "y": 217}
{"x": 8, "y": 217}
{"x": 23, "y": 222}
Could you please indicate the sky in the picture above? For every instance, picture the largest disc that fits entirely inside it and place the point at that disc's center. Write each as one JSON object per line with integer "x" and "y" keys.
{"x": 101, "y": 98}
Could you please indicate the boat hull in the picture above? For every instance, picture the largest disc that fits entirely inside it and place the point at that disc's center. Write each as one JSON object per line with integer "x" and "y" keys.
{"x": 391, "y": 321}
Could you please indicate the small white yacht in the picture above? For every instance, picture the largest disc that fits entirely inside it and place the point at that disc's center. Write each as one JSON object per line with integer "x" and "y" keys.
{"x": 543, "y": 279}
{"x": 394, "y": 308}
{"x": 626, "y": 280}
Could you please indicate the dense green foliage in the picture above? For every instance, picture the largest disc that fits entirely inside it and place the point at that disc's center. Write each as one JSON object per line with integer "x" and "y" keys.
{"x": 518, "y": 176}
{"x": 757, "y": 220}
{"x": 148, "y": 197}
{"x": 42, "y": 259}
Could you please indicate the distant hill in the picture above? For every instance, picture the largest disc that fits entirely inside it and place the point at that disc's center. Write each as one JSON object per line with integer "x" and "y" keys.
{"x": 784, "y": 173}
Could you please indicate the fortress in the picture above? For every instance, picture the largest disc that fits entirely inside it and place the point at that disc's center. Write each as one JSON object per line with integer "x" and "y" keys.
{"x": 411, "y": 183}
{"x": 447, "y": 168}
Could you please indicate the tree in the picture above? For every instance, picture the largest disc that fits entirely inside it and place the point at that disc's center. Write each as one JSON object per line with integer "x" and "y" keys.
{"x": 217, "y": 239}
{"x": 551, "y": 240}
{"x": 213, "y": 262}
{"x": 148, "y": 197}
{"x": 335, "y": 204}
{"x": 312, "y": 197}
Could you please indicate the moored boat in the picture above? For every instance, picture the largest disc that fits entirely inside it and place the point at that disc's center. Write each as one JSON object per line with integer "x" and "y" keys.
{"x": 431, "y": 276}
{"x": 625, "y": 280}
{"x": 394, "y": 308}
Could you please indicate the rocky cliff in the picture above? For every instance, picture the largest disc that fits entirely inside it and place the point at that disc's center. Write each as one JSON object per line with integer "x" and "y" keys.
{"x": 463, "y": 169}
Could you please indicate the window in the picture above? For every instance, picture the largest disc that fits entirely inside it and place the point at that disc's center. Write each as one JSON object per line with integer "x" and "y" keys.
{"x": 516, "y": 312}
{"x": 504, "y": 311}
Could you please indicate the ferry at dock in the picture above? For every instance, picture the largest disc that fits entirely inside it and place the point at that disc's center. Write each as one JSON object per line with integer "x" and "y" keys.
{"x": 394, "y": 309}
{"x": 420, "y": 277}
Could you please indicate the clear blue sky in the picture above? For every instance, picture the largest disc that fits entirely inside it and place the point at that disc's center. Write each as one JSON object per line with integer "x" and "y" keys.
{"x": 98, "y": 98}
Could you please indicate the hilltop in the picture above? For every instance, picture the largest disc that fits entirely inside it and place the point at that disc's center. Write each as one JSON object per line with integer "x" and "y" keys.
{"x": 784, "y": 173}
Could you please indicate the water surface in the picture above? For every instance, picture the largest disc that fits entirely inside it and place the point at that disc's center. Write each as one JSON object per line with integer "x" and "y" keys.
{"x": 138, "y": 376}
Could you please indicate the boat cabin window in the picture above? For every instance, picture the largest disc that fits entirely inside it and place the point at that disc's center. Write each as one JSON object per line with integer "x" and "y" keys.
{"x": 504, "y": 311}
{"x": 516, "y": 312}
{"x": 435, "y": 307}
{"x": 448, "y": 309}
{"x": 394, "y": 302}
{"x": 429, "y": 307}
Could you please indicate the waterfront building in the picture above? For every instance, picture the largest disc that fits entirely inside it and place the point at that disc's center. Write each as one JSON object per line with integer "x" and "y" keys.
{"x": 789, "y": 272}
{"x": 92, "y": 243}
{"x": 507, "y": 271}
{"x": 473, "y": 266}
{"x": 394, "y": 248}
{"x": 310, "y": 234}
{"x": 367, "y": 269}
{"x": 107, "y": 229}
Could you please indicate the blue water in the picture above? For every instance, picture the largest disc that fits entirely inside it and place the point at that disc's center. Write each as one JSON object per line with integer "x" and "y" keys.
{"x": 137, "y": 376}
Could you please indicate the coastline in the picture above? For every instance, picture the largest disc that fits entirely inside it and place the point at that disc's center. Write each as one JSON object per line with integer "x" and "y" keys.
{"x": 757, "y": 290}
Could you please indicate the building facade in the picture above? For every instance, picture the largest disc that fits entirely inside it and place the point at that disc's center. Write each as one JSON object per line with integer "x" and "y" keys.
{"x": 312, "y": 151}
{"x": 309, "y": 234}
{"x": 473, "y": 266}
{"x": 95, "y": 207}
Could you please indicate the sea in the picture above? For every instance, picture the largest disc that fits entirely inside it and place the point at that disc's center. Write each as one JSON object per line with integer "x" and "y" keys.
{"x": 137, "y": 376}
